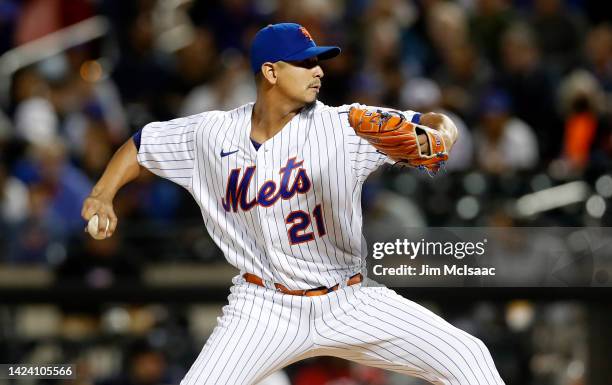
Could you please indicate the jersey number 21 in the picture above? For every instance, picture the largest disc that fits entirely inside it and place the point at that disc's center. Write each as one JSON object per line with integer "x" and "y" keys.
{"x": 300, "y": 220}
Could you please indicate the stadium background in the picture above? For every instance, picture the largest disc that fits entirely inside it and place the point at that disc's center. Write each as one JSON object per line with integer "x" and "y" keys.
{"x": 527, "y": 82}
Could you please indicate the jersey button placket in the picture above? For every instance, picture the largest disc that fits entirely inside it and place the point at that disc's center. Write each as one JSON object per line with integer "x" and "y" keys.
{"x": 263, "y": 174}
{"x": 266, "y": 166}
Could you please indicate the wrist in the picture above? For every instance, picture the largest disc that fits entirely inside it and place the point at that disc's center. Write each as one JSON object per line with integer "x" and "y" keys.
{"x": 103, "y": 193}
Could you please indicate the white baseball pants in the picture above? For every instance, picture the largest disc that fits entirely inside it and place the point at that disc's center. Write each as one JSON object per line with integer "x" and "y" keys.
{"x": 263, "y": 330}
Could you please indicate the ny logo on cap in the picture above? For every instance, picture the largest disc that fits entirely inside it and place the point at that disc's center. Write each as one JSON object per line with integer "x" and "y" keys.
{"x": 305, "y": 33}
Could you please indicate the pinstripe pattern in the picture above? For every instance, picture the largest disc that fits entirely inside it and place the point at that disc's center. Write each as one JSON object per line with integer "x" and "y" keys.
{"x": 262, "y": 331}
{"x": 257, "y": 240}
{"x": 377, "y": 327}
{"x": 290, "y": 212}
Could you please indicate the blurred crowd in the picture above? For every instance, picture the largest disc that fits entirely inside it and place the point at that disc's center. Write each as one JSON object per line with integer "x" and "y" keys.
{"x": 527, "y": 82}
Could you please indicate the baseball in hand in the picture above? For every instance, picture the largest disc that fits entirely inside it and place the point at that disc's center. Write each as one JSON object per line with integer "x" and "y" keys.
{"x": 92, "y": 228}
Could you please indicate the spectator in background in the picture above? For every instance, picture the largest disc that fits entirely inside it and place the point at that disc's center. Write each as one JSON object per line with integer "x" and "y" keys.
{"x": 598, "y": 52}
{"x": 14, "y": 204}
{"x": 64, "y": 185}
{"x": 581, "y": 101}
{"x": 530, "y": 87}
{"x": 83, "y": 99}
{"x": 454, "y": 62}
{"x": 447, "y": 27}
{"x": 488, "y": 23}
{"x": 504, "y": 143}
{"x": 382, "y": 42}
{"x": 14, "y": 208}
{"x": 99, "y": 102}
{"x": 35, "y": 118}
{"x": 559, "y": 35}
{"x": 53, "y": 101}
{"x": 197, "y": 61}
{"x": 447, "y": 24}
{"x": 232, "y": 86}
{"x": 143, "y": 74}
{"x": 463, "y": 79}
{"x": 384, "y": 21}
{"x": 56, "y": 190}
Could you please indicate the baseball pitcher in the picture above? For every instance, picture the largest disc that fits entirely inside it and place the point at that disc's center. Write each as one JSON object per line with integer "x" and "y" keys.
{"x": 278, "y": 182}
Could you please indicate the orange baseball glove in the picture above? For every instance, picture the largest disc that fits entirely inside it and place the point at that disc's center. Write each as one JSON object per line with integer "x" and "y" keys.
{"x": 392, "y": 134}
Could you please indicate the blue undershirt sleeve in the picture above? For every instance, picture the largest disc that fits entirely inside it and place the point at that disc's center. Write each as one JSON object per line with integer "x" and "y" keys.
{"x": 136, "y": 138}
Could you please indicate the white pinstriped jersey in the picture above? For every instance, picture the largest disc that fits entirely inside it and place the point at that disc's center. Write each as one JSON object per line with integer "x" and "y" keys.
{"x": 289, "y": 212}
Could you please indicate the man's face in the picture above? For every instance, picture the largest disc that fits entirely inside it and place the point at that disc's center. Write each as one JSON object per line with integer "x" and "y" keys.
{"x": 300, "y": 81}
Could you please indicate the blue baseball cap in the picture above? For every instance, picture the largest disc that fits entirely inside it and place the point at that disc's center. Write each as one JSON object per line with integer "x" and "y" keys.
{"x": 286, "y": 42}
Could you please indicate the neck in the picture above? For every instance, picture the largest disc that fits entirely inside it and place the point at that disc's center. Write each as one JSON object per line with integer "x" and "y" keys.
{"x": 270, "y": 114}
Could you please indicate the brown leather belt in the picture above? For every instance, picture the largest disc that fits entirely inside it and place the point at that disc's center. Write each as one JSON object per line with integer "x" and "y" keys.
{"x": 252, "y": 278}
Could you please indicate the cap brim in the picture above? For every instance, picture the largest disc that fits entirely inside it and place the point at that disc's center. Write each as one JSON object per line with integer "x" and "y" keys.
{"x": 322, "y": 53}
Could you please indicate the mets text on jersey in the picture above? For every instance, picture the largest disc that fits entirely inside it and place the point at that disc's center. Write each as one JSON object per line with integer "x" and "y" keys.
{"x": 236, "y": 192}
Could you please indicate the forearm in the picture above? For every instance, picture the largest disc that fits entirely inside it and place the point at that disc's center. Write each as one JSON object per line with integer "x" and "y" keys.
{"x": 122, "y": 169}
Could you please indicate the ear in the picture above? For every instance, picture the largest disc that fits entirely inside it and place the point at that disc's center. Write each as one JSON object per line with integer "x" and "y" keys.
{"x": 268, "y": 71}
